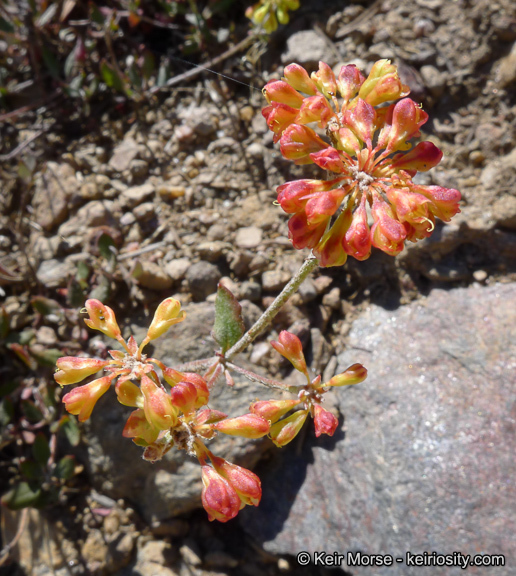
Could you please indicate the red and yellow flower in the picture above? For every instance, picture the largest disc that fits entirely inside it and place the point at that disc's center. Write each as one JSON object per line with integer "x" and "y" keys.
{"x": 367, "y": 149}
{"x": 309, "y": 397}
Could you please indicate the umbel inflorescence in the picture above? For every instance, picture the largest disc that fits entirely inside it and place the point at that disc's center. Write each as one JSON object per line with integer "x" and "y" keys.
{"x": 171, "y": 408}
{"x": 367, "y": 149}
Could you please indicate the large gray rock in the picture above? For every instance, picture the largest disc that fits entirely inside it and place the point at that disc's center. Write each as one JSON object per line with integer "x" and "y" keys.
{"x": 425, "y": 459}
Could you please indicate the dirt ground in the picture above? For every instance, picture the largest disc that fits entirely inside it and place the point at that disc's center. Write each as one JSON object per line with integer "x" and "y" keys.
{"x": 189, "y": 177}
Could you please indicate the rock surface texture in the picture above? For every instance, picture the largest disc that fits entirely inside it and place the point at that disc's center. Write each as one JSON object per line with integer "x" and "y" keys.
{"x": 425, "y": 460}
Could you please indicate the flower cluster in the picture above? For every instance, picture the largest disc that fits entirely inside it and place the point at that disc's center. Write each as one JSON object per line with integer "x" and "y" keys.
{"x": 309, "y": 396}
{"x": 268, "y": 13}
{"x": 164, "y": 418}
{"x": 367, "y": 149}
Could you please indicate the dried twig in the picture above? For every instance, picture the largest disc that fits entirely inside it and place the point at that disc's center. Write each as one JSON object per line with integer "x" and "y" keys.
{"x": 354, "y": 24}
{"x": 199, "y": 68}
{"x": 13, "y": 153}
{"x": 4, "y": 553}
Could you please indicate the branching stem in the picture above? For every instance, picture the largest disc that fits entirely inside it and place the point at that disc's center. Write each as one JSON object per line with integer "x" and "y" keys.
{"x": 266, "y": 318}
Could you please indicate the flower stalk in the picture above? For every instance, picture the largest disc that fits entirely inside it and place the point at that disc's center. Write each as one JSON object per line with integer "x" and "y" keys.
{"x": 266, "y": 318}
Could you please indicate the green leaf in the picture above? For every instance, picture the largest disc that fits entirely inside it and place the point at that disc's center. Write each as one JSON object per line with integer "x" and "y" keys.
{"x": 229, "y": 325}
{"x": 8, "y": 387}
{"x": 4, "y": 323}
{"x": 111, "y": 77}
{"x": 102, "y": 291}
{"x": 41, "y": 449}
{"x": 82, "y": 272}
{"x": 106, "y": 245}
{"x": 31, "y": 470}
{"x": 23, "y": 355}
{"x": 68, "y": 424}
{"x": 6, "y": 26}
{"x": 65, "y": 468}
{"x": 149, "y": 64}
{"x": 75, "y": 294}
{"x": 31, "y": 411}
{"x": 134, "y": 76}
{"x": 96, "y": 14}
{"x": 6, "y": 411}
{"x": 51, "y": 61}
{"x": 46, "y": 357}
{"x": 69, "y": 63}
{"x": 22, "y": 496}
{"x": 46, "y": 306}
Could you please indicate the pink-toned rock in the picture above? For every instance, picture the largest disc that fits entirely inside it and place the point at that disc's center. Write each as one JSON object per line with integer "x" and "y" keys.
{"x": 426, "y": 462}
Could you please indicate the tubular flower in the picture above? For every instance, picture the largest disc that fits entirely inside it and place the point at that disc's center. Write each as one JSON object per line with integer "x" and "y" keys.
{"x": 138, "y": 384}
{"x": 219, "y": 498}
{"x": 268, "y": 13}
{"x": 368, "y": 151}
{"x": 309, "y": 397}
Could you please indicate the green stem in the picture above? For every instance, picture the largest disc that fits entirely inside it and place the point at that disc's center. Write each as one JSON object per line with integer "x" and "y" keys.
{"x": 266, "y": 318}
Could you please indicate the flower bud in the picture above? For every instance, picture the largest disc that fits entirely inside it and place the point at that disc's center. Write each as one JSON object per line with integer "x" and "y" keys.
{"x": 248, "y": 426}
{"x": 315, "y": 109}
{"x": 382, "y": 84}
{"x": 183, "y": 396}
{"x": 202, "y": 392}
{"x": 137, "y": 426}
{"x": 293, "y": 196}
{"x": 167, "y": 314}
{"x": 81, "y": 401}
{"x": 352, "y": 375}
{"x": 283, "y": 93}
{"x": 158, "y": 407}
{"x": 102, "y": 318}
{"x": 129, "y": 394}
{"x": 361, "y": 120}
{"x": 298, "y": 78}
{"x": 325, "y": 80}
{"x": 407, "y": 119}
{"x": 349, "y": 81}
{"x": 330, "y": 249}
{"x": 421, "y": 158}
{"x": 357, "y": 241}
{"x": 172, "y": 376}
{"x": 246, "y": 483}
{"x": 328, "y": 159}
{"x": 302, "y": 234}
{"x": 387, "y": 233}
{"x": 279, "y": 117}
{"x": 289, "y": 346}
{"x": 273, "y": 410}
{"x": 208, "y": 416}
{"x": 321, "y": 207}
{"x": 287, "y": 429}
{"x": 73, "y": 369}
{"x": 324, "y": 421}
{"x": 298, "y": 142}
{"x": 444, "y": 201}
{"x": 219, "y": 498}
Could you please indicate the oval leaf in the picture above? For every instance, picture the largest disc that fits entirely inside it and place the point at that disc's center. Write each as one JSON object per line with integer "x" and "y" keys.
{"x": 229, "y": 325}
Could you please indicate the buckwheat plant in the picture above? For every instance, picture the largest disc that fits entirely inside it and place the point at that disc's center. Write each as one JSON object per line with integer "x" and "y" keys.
{"x": 364, "y": 141}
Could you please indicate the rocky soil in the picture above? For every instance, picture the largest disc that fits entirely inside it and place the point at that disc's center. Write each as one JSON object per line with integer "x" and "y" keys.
{"x": 185, "y": 188}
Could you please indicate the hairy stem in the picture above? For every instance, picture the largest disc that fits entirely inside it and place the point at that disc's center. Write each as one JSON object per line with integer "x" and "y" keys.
{"x": 266, "y": 318}
{"x": 253, "y": 377}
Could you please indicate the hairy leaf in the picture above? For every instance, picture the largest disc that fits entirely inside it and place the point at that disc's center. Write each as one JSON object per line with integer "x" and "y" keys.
{"x": 229, "y": 326}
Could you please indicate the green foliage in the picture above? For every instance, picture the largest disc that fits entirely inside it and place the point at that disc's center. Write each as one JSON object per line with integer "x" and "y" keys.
{"x": 30, "y": 416}
{"x": 89, "y": 50}
{"x": 229, "y": 325}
